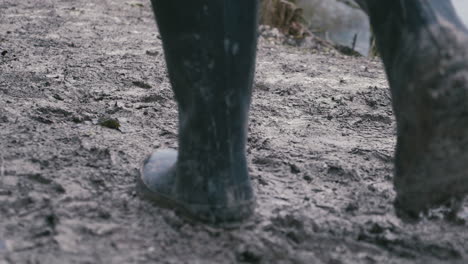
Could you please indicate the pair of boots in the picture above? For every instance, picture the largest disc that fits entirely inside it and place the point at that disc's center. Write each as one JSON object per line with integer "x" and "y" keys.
{"x": 210, "y": 48}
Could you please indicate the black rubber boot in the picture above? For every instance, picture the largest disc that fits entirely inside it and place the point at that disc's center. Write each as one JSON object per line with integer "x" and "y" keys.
{"x": 424, "y": 47}
{"x": 210, "y": 48}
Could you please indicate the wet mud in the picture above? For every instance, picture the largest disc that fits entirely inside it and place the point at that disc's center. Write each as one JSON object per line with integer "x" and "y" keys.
{"x": 84, "y": 98}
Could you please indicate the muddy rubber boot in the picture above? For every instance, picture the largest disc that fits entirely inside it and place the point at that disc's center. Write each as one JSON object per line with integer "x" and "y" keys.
{"x": 210, "y": 48}
{"x": 424, "y": 47}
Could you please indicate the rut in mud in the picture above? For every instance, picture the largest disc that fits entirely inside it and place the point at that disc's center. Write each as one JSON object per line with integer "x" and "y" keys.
{"x": 321, "y": 140}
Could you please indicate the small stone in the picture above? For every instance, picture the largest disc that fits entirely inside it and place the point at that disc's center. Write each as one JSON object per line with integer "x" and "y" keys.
{"x": 152, "y": 53}
{"x": 294, "y": 168}
{"x": 112, "y": 123}
{"x": 307, "y": 178}
{"x": 141, "y": 84}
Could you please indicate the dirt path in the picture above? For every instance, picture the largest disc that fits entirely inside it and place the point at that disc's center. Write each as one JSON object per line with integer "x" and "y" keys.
{"x": 320, "y": 149}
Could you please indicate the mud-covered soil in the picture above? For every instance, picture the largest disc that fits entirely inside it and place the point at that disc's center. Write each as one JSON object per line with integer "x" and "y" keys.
{"x": 320, "y": 149}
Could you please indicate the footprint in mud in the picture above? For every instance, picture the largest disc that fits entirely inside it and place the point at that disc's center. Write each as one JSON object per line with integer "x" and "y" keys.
{"x": 51, "y": 114}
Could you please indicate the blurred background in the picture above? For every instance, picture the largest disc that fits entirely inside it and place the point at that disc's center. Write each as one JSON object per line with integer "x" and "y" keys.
{"x": 340, "y": 21}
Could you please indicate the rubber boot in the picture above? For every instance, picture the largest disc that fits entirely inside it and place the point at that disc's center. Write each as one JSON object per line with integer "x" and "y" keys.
{"x": 210, "y": 48}
{"x": 424, "y": 47}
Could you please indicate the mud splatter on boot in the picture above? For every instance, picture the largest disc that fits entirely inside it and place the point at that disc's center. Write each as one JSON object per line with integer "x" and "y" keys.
{"x": 424, "y": 47}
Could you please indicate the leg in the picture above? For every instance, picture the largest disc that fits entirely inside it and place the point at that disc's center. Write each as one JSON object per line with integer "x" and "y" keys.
{"x": 424, "y": 47}
{"x": 210, "y": 48}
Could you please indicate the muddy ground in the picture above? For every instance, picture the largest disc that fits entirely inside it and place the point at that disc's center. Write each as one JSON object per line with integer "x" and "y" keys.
{"x": 320, "y": 149}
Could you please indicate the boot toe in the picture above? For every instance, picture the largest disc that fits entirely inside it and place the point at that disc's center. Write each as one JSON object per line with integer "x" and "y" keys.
{"x": 157, "y": 184}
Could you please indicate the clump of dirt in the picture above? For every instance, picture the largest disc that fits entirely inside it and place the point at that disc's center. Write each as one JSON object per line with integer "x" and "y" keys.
{"x": 320, "y": 149}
